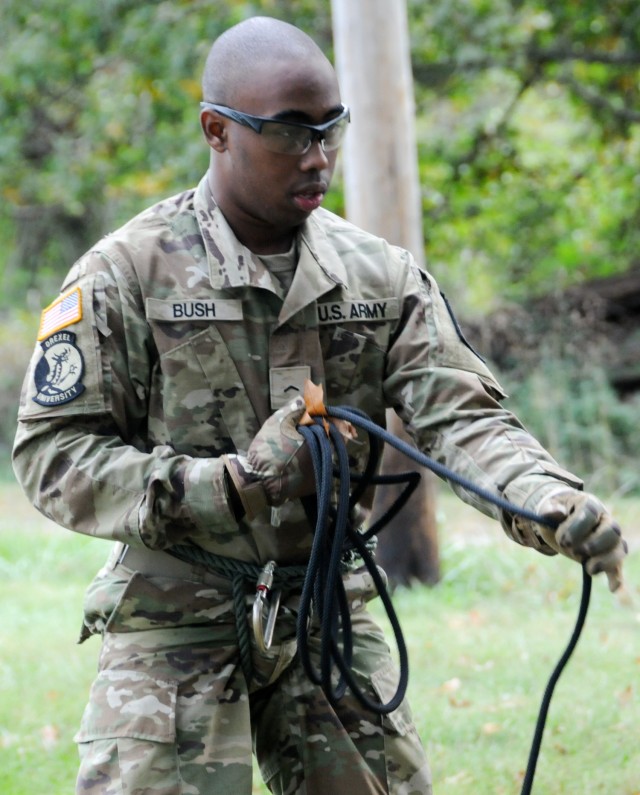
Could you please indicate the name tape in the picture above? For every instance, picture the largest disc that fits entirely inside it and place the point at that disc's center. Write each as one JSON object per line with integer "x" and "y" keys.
{"x": 173, "y": 311}
{"x": 340, "y": 311}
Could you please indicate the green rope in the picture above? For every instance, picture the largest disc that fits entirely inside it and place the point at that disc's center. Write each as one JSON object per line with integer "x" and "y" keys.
{"x": 242, "y": 625}
{"x": 284, "y": 577}
{"x": 240, "y": 573}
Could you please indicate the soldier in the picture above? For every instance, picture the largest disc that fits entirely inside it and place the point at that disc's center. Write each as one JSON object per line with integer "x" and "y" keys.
{"x": 159, "y": 411}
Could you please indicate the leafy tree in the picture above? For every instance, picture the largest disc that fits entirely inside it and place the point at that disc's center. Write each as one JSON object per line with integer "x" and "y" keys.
{"x": 100, "y": 117}
{"x": 529, "y": 118}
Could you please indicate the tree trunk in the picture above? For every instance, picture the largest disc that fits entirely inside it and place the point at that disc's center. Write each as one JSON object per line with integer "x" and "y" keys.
{"x": 382, "y": 195}
{"x": 408, "y": 546}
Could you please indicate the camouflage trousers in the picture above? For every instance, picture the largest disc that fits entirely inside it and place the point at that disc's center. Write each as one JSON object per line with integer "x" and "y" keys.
{"x": 171, "y": 712}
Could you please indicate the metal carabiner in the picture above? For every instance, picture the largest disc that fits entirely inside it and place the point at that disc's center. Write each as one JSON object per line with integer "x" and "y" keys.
{"x": 265, "y": 598}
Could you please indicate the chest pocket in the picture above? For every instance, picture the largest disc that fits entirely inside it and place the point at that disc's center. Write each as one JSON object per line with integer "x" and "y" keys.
{"x": 354, "y": 368}
{"x": 206, "y": 407}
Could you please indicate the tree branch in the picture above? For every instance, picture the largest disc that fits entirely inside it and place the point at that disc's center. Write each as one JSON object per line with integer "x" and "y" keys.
{"x": 599, "y": 101}
{"x": 546, "y": 55}
{"x": 483, "y": 135}
{"x": 436, "y": 73}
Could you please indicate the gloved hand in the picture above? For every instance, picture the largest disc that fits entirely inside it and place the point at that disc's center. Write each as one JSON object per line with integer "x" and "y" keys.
{"x": 277, "y": 466}
{"x": 586, "y": 532}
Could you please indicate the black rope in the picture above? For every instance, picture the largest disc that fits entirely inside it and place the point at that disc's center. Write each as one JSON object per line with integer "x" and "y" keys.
{"x": 323, "y": 591}
{"x": 546, "y": 699}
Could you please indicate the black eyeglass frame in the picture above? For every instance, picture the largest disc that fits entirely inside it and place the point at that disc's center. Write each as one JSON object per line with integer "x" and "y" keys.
{"x": 256, "y": 123}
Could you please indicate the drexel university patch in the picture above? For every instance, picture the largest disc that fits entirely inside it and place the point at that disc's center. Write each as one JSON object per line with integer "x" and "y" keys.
{"x": 58, "y": 374}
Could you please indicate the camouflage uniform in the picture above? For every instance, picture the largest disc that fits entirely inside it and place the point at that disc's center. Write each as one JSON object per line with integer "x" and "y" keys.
{"x": 169, "y": 347}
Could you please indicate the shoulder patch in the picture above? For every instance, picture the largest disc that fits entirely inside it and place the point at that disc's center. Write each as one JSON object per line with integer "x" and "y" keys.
{"x": 63, "y": 312}
{"x": 456, "y": 325}
{"x": 58, "y": 374}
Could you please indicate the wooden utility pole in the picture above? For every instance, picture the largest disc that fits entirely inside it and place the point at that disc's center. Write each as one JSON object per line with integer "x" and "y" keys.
{"x": 382, "y": 191}
{"x": 382, "y": 195}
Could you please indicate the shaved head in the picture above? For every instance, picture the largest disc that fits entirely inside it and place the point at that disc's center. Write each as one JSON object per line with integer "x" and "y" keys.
{"x": 267, "y": 69}
{"x": 249, "y": 47}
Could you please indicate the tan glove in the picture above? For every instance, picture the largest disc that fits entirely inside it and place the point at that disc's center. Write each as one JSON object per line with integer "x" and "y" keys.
{"x": 277, "y": 466}
{"x": 586, "y": 532}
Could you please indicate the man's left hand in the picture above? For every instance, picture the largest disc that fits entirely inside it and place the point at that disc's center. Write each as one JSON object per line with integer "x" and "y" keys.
{"x": 586, "y": 532}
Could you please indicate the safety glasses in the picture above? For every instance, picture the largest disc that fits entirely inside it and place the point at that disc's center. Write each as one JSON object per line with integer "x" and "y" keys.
{"x": 289, "y": 137}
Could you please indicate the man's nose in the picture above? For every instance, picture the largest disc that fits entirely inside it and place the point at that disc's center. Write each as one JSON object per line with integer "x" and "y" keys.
{"x": 315, "y": 157}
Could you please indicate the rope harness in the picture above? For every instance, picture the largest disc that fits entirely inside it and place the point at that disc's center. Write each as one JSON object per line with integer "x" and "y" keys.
{"x": 337, "y": 543}
{"x": 241, "y": 573}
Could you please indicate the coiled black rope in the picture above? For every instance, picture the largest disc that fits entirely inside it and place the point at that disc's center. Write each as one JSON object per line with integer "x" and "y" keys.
{"x": 323, "y": 591}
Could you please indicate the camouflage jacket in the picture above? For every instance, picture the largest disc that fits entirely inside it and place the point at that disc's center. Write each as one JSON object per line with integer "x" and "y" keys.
{"x": 171, "y": 343}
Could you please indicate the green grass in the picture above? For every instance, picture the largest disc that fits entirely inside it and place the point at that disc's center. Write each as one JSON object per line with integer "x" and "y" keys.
{"x": 482, "y": 646}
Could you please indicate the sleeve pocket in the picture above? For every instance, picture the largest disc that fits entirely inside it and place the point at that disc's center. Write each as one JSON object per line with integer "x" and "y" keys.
{"x": 385, "y": 682}
{"x": 565, "y": 476}
{"x": 129, "y": 704}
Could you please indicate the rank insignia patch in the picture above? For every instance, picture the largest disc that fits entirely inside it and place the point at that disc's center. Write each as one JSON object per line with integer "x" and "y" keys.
{"x": 58, "y": 374}
{"x": 64, "y": 311}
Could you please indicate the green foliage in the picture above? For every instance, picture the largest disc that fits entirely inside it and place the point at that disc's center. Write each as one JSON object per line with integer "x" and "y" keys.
{"x": 527, "y": 119}
{"x": 85, "y": 109}
{"x": 577, "y": 416}
{"x": 16, "y": 343}
{"x": 101, "y": 109}
{"x": 528, "y": 143}
{"x": 528, "y": 134}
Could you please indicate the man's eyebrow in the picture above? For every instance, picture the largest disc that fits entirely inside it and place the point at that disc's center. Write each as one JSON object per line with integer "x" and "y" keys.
{"x": 298, "y": 115}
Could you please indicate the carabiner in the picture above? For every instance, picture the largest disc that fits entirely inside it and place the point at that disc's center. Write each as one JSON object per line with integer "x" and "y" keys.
{"x": 265, "y": 598}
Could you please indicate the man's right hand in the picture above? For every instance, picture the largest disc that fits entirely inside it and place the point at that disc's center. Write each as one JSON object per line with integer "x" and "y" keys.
{"x": 277, "y": 466}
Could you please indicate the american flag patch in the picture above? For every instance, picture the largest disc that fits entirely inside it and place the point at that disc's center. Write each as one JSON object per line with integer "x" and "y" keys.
{"x": 61, "y": 313}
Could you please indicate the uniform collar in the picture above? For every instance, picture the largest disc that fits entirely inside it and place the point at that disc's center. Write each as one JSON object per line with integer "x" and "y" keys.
{"x": 319, "y": 270}
{"x": 230, "y": 263}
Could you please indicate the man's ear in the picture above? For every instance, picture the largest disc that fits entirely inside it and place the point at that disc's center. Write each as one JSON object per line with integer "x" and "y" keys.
{"x": 214, "y": 129}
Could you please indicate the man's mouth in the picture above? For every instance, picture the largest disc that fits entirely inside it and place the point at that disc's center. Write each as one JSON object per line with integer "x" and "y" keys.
{"x": 308, "y": 201}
